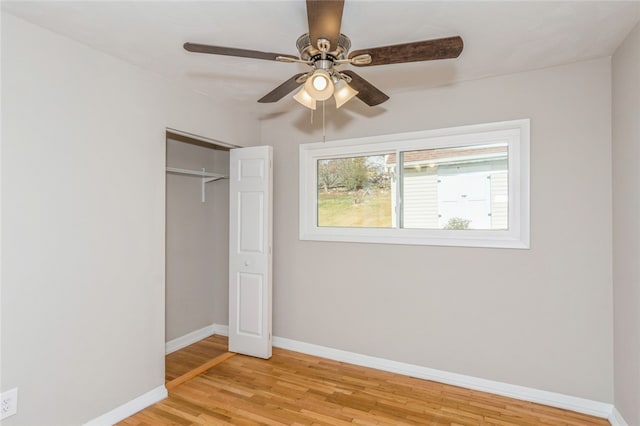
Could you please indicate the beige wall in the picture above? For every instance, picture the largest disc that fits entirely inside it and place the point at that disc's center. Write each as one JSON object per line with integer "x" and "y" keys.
{"x": 626, "y": 226}
{"x": 541, "y": 317}
{"x": 197, "y": 260}
{"x": 83, "y": 199}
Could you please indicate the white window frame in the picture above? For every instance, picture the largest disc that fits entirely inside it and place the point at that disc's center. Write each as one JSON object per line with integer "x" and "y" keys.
{"x": 515, "y": 133}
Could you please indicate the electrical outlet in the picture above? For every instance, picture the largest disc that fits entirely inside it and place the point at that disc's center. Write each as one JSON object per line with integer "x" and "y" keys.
{"x": 8, "y": 403}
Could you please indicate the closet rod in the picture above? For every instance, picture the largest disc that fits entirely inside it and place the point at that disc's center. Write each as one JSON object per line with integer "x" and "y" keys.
{"x": 206, "y": 176}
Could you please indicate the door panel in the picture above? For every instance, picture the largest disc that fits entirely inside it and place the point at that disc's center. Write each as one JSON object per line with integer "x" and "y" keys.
{"x": 250, "y": 233}
{"x": 251, "y": 211}
{"x": 249, "y": 304}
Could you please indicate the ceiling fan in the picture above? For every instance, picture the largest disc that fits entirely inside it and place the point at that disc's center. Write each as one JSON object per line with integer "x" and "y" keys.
{"x": 325, "y": 49}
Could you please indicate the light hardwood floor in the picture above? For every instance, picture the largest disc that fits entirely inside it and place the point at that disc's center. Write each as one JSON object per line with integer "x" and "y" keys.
{"x": 187, "y": 359}
{"x": 297, "y": 389}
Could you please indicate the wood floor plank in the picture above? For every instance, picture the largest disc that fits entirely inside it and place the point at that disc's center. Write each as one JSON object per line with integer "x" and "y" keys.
{"x": 198, "y": 370}
{"x": 298, "y": 389}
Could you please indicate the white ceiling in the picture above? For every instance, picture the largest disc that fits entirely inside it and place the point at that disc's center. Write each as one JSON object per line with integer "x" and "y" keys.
{"x": 499, "y": 38}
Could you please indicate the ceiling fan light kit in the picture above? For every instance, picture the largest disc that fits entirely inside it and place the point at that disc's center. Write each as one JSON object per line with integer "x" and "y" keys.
{"x": 324, "y": 48}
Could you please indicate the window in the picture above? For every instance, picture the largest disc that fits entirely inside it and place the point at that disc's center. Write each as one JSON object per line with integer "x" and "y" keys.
{"x": 463, "y": 186}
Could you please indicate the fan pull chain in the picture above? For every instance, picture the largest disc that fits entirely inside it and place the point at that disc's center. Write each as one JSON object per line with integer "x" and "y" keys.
{"x": 324, "y": 130}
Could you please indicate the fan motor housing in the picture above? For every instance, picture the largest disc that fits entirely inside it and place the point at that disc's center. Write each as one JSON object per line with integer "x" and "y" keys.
{"x": 312, "y": 53}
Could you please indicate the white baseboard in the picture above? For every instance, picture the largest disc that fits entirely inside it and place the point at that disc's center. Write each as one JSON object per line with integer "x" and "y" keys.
{"x": 189, "y": 338}
{"x": 616, "y": 418}
{"x": 581, "y": 405}
{"x": 129, "y": 408}
{"x": 220, "y": 329}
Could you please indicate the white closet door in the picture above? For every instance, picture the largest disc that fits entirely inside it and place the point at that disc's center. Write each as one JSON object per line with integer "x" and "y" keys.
{"x": 250, "y": 233}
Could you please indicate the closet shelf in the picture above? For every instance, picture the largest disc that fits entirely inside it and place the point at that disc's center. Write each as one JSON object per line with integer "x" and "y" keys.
{"x": 200, "y": 173}
{"x": 203, "y": 174}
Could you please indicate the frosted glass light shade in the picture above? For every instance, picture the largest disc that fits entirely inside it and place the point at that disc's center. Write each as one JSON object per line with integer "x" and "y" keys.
{"x": 305, "y": 98}
{"x": 319, "y": 85}
{"x": 343, "y": 93}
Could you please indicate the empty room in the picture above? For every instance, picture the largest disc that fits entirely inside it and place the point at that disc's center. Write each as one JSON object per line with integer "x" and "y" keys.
{"x": 320, "y": 212}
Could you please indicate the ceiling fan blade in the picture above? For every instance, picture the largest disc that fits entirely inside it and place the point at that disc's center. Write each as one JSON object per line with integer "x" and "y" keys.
{"x": 427, "y": 50}
{"x": 325, "y": 19}
{"x": 367, "y": 92}
{"x": 281, "y": 91}
{"x": 232, "y": 51}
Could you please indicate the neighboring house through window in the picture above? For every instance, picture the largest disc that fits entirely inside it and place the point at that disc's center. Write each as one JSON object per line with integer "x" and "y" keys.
{"x": 455, "y": 188}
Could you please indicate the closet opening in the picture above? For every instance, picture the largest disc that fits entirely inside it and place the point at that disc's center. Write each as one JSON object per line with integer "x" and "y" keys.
{"x": 196, "y": 254}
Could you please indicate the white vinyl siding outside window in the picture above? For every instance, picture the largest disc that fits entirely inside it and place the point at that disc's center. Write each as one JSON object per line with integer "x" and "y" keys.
{"x": 463, "y": 186}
